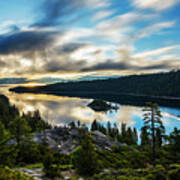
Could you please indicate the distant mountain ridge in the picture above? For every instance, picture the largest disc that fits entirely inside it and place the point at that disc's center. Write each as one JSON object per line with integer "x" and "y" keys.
{"x": 13, "y": 80}
{"x": 159, "y": 86}
{"x": 52, "y": 80}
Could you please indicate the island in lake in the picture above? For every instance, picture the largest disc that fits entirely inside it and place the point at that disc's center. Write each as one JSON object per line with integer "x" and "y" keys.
{"x": 100, "y": 105}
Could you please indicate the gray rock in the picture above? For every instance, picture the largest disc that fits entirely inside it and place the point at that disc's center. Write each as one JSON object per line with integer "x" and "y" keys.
{"x": 65, "y": 140}
{"x": 36, "y": 173}
{"x": 67, "y": 178}
{"x": 98, "y": 134}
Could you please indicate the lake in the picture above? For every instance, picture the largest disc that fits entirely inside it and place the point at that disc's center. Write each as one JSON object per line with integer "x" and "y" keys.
{"x": 59, "y": 110}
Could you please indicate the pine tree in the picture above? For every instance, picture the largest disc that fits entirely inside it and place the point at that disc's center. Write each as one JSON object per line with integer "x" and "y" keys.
{"x": 72, "y": 125}
{"x": 152, "y": 121}
{"x": 94, "y": 126}
{"x": 135, "y": 136}
{"x": 115, "y": 131}
{"x": 160, "y": 136}
{"x": 7, "y": 152}
{"x": 109, "y": 128}
{"x": 19, "y": 129}
{"x": 123, "y": 132}
{"x": 130, "y": 137}
{"x": 174, "y": 139}
{"x": 79, "y": 124}
{"x": 85, "y": 157}
{"x": 102, "y": 129}
{"x": 51, "y": 169}
{"x": 145, "y": 139}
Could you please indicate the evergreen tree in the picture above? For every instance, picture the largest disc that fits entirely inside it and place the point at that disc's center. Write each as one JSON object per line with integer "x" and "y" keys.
{"x": 145, "y": 139}
{"x": 102, "y": 129}
{"x": 85, "y": 157}
{"x": 36, "y": 122}
{"x": 174, "y": 139}
{"x": 19, "y": 129}
{"x": 129, "y": 137}
{"x": 160, "y": 135}
{"x": 109, "y": 128}
{"x": 2, "y": 131}
{"x": 152, "y": 121}
{"x": 7, "y": 152}
{"x": 135, "y": 136}
{"x": 123, "y": 130}
{"x": 94, "y": 126}
{"x": 50, "y": 168}
{"x": 7, "y": 112}
{"x": 122, "y": 138}
{"x": 79, "y": 124}
{"x": 72, "y": 125}
{"x": 115, "y": 131}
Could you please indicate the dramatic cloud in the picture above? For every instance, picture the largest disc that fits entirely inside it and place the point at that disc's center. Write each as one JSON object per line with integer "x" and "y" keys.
{"x": 56, "y": 66}
{"x": 153, "y": 28}
{"x": 154, "y": 4}
{"x": 102, "y": 14}
{"x": 120, "y": 29}
{"x": 139, "y": 62}
{"x": 90, "y": 35}
{"x": 24, "y": 41}
{"x": 109, "y": 65}
{"x": 2, "y": 63}
{"x": 69, "y": 48}
{"x": 156, "y": 52}
{"x": 54, "y": 12}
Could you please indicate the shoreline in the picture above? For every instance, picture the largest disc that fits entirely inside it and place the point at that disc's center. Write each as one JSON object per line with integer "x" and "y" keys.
{"x": 122, "y": 98}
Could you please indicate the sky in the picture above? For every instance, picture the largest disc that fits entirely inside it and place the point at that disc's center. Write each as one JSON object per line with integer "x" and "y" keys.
{"x": 62, "y": 38}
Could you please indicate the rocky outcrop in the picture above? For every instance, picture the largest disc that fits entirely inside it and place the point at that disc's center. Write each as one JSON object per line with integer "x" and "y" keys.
{"x": 65, "y": 140}
{"x": 36, "y": 173}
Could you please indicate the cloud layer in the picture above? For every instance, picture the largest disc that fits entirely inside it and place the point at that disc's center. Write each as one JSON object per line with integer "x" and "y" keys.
{"x": 91, "y": 35}
{"x": 154, "y": 4}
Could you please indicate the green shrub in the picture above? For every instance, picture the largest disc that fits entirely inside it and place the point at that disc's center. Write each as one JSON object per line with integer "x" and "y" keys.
{"x": 32, "y": 166}
{"x": 158, "y": 176}
{"x": 108, "y": 177}
{"x": 130, "y": 178}
{"x": 174, "y": 166}
{"x": 174, "y": 174}
{"x": 84, "y": 159}
{"x": 8, "y": 174}
{"x": 62, "y": 158}
{"x": 29, "y": 153}
{"x": 65, "y": 167}
{"x": 51, "y": 170}
{"x": 122, "y": 178}
{"x": 158, "y": 173}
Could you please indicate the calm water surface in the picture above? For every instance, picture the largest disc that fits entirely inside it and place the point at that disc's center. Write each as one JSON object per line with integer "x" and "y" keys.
{"x": 59, "y": 110}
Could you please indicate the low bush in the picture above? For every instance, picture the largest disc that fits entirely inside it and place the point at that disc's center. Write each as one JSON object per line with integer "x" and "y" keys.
{"x": 85, "y": 158}
{"x": 174, "y": 174}
{"x": 51, "y": 169}
{"x": 9, "y": 174}
{"x": 65, "y": 167}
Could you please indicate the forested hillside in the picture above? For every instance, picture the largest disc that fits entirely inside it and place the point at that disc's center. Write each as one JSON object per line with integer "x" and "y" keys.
{"x": 161, "y": 88}
{"x": 160, "y": 84}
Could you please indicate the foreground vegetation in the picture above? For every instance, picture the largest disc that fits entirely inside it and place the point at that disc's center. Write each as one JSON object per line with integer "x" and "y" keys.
{"x": 7, "y": 173}
{"x": 132, "y": 160}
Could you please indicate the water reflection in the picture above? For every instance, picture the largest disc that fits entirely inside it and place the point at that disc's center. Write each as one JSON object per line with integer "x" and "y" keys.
{"x": 63, "y": 110}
